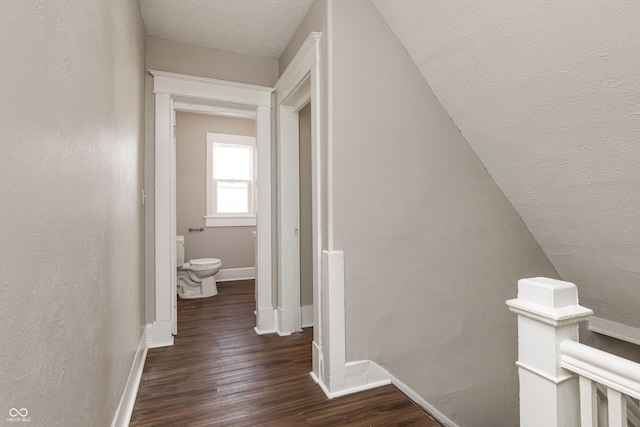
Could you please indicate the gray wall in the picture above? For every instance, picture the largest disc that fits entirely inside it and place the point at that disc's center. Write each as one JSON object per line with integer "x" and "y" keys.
{"x": 314, "y": 21}
{"x": 432, "y": 247}
{"x": 235, "y": 246}
{"x": 182, "y": 58}
{"x": 306, "y": 237}
{"x": 71, "y": 218}
{"x": 166, "y": 55}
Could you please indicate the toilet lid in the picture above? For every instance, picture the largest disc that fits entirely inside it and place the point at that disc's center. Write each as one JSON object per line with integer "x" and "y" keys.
{"x": 204, "y": 262}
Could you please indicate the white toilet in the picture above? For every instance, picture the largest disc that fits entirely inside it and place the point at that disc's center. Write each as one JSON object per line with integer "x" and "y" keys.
{"x": 195, "y": 278}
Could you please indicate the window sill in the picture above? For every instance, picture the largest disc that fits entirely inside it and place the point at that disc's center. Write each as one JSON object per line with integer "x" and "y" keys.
{"x": 230, "y": 221}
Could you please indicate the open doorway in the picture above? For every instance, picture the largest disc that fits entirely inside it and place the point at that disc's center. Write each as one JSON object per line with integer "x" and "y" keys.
{"x": 175, "y": 91}
{"x": 215, "y": 206}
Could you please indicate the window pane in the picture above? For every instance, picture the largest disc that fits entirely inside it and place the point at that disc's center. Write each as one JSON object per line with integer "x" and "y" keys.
{"x": 232, "y": 161}
{"x": 232, "y": 197}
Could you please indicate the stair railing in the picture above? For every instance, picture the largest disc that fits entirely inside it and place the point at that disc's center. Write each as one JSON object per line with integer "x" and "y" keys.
{"x": 559, "y": 377}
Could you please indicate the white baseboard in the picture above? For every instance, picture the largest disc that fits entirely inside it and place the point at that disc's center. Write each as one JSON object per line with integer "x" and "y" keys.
{"x": 128, "y": 399}
{"x": 229, "y": 274}
{"x": 317, "y": 362}
{"x": 159, "y": 334}
{"x": 306, "y": 315}
{"x": 279, "y": 315}
{"x": 411, "y": 394}
{"x": 367, "y": 374}
{"x": 614, "y": 329}
{"x": 359, "y": 376}
{"x": 363, "y": 375}
{"x": 267, "y": 321}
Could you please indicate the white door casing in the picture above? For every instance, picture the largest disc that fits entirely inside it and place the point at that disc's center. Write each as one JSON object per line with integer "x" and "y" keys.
{"x": 300, "y": 84}
{"x": 208, "y": 94}
{"x": 173, "y": 284}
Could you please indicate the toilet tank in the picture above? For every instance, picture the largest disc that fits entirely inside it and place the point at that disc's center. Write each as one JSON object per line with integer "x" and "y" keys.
{"x": 179, "y": 251}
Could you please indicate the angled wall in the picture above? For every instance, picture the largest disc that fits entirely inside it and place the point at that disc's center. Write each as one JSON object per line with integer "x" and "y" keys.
{"x": 432, "y": 246}
{"x": 71, "y": 218}
{"x": 546, "y": 93}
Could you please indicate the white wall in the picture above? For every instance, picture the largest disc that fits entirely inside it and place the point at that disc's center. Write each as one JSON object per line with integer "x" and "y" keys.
{"x": 546, "y": 93}
{"x": 432, "y": 247}
{"x": 71, "y": 219}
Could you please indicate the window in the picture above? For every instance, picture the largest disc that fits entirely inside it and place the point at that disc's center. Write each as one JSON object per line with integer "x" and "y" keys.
{"x": 231, "y": 172}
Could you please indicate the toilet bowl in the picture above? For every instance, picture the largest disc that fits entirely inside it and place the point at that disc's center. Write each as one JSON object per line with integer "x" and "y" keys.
{"x": 195, "y": 278}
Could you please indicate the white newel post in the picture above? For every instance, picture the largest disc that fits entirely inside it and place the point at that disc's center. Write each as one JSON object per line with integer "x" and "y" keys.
{"x": 548, "y": 313}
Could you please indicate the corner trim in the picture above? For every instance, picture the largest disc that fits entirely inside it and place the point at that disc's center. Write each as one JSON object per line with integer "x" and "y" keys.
{"x": 124, "y": 410}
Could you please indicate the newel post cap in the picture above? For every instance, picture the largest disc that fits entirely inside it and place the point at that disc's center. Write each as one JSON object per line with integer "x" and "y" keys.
{"x": 548, "y": 300}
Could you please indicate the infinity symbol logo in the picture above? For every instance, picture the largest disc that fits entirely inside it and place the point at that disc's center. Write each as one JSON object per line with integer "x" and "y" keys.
{"x": 13, "y": 412}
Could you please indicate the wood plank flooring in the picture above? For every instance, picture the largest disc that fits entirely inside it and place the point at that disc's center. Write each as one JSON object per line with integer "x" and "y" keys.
{"x": 220, "y": 373}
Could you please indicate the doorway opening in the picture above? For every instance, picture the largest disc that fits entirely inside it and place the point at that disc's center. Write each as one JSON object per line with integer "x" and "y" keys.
{"x": 175, "y": 91}
{"x": 215, "y": 195}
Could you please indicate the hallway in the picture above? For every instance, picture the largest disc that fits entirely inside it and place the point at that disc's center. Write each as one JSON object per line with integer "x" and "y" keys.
{"x": 220, "y": 373}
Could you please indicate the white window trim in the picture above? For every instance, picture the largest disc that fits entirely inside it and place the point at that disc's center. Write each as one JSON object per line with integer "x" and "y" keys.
{"x": 227, "y": 220}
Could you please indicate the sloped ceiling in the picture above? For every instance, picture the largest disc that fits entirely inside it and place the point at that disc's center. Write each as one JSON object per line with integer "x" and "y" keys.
{"x": 548, "y": 96}
{"x": 260, "y": 28}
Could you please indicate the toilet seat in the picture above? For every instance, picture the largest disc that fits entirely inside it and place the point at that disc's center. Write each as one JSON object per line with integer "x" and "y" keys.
{"x": 200, "y": 264}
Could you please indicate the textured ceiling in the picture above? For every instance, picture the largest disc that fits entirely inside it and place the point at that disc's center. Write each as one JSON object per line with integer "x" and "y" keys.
{"x": 259, "y": 28}
{"x": 548, "y": 95}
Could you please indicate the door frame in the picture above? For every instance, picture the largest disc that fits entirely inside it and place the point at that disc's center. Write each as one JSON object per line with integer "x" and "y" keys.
{"x": 210, "y": 94}
{"x": 298, "y": 86}
{"x": 305, "y": 80}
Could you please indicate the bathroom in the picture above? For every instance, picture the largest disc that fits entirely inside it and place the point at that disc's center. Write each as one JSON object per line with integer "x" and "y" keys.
{"x": 229, "y": 239}
{"x": 232, "y": 240}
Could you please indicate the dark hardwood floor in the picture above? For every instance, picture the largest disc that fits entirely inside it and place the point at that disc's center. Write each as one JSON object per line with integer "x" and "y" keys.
{"x": 220, "y": 373}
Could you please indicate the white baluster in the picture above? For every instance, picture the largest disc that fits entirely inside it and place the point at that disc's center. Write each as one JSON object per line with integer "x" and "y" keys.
{"x": 588, "y": 403}
{"x": 617, "y": 408}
